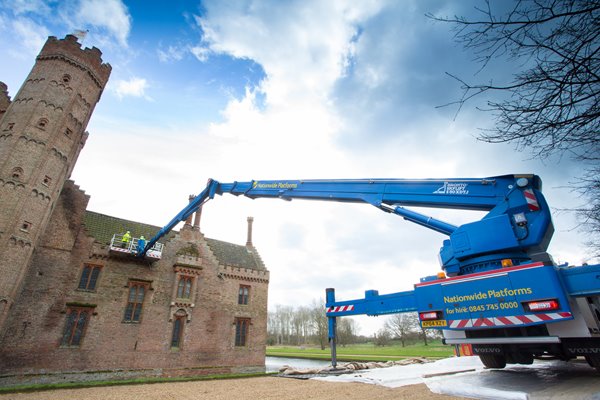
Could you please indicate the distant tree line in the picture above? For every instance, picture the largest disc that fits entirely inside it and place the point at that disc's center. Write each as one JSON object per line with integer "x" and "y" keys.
{"x": 307, "y": 325}
{"x": 302, "y": 325}
{"x": 404, "y": 328}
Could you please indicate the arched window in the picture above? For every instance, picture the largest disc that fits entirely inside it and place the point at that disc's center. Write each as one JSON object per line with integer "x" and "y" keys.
{"x": 66, "y": 78}
{"x": 243, "y": 294}
{"x": 178, "y": 323}
{"x": 42, "y": 123}
{"x": 184, "y": 287}
{"x": 75, "y": 327}
{"x": 17, "y": 173}
{"x": 25, "y": 226}
{"x": 241, "y": 331}
{"x": 135, "y": 301}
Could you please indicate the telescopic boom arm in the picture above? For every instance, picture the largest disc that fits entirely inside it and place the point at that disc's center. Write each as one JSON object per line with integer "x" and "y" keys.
{"x": 518, "y": 220}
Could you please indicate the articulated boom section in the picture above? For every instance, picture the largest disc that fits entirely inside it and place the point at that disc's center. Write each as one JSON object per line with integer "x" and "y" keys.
{"x": 518, "y": 221}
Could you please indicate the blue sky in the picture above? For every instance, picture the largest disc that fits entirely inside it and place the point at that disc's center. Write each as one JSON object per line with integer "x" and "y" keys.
{"x": 241, "y": 90}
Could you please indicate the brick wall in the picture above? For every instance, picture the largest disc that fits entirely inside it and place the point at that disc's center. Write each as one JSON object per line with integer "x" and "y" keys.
{"x": 32, "y": 344}
{"x": 41, "y": 135}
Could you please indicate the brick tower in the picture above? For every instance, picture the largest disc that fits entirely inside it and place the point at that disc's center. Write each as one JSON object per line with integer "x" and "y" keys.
{"x": 42, "y": 132}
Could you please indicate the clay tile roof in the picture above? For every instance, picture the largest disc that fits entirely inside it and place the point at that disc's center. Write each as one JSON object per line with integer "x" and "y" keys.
{"x": 103, "y": 227}
{"x": 234, "y": 254}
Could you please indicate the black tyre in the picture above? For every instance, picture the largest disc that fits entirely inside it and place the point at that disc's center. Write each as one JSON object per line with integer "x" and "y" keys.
{"x": 593, "y": 360}
{"x": 493, "y": 360}
{"x": 519, "y": 358}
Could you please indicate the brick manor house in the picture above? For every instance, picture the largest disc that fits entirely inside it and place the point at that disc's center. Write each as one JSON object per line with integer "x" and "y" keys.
{"x": 72, "y": 306}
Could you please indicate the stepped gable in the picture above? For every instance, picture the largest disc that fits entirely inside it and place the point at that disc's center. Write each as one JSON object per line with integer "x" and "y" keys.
{"x": 233, "y": 255}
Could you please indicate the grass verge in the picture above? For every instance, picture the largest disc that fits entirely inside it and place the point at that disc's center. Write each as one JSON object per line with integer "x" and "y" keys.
{"x": 364, "y": 352}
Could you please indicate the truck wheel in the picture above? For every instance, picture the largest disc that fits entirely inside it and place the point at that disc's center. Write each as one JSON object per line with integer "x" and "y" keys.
{"x": 493, "y": 360}
{"x": 593, "y": 360}
{"x": 520, "y": 358}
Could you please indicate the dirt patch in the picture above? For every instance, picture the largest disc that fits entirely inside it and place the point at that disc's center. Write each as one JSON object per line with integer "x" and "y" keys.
{"x": 264, "y": 388}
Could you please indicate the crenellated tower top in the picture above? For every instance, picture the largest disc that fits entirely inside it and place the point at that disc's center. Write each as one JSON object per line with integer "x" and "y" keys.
{"x": 69, "y": 50}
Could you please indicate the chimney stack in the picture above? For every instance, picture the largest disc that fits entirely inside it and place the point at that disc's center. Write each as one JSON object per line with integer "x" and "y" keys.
{"x": 249, "y": 240}
{"x": 197, "y": 216}
{"x": 188, "y": 221}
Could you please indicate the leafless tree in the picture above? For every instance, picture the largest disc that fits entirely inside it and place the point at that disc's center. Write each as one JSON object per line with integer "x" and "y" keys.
{"x": 346, "y": 331}
{"x": 301, "y": 326}
{"x": 551, "y": 104}
{"x": 318, "y": 319}
{"x": 289, "y": 325}
{"x": 402, "y": 325}
{"x": 382, "y": 337}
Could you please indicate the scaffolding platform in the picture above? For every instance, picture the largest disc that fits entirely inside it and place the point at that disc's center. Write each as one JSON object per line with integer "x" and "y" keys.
{"x": 130, "y": 248}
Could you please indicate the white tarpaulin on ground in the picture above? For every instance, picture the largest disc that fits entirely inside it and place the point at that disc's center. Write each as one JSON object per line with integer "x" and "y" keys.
{"x": 466, "y": 377}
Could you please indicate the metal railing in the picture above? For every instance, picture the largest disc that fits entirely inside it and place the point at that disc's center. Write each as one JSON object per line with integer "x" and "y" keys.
{"x": 133, "y": 246}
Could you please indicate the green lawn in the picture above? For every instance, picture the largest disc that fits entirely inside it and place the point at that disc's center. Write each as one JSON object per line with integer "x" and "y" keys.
{"x": 364, "y": 352}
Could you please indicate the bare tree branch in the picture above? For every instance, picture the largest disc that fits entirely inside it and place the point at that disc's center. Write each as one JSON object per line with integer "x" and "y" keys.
{"x": 552, "y": 104}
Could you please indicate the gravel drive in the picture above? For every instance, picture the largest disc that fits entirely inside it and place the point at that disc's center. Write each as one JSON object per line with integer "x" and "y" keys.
{"x": 261, "y": 388}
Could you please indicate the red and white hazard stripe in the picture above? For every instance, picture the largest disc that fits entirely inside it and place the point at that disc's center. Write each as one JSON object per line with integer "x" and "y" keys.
{"x": 120, "y": 249}
{"x": 510, "y": 320}
{"x": 532, "y": 202}
{"x": 340, "y": 308}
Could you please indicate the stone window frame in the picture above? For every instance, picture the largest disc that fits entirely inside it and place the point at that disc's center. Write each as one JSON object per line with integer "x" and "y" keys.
{"x": 242, "y": 331}
{"x": 25, "y": 226}
{"x": 185, "y": 283}
{"x": 88, "y": 282}
{"x": 135, "y": 303}
{"x": 76, "y": 324}
{"x": 66, "y": 78}
{"x": 182, "y": 272}
{"x": 42, "y": 123}
{"x": 179, "y": 320}
{"x": 17, "y": 173}
{"x": 46, "y": 181}
{"x": 244, "y": 295}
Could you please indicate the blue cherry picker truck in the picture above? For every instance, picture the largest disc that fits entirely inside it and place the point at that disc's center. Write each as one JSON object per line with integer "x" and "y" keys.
{"x": 499, "y": 292}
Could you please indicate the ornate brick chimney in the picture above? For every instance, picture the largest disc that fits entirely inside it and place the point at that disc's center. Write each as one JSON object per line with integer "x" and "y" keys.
{"x": 188, "y": 221}
{"x": 197, "y": 217}
{"x": 249, "y": 239}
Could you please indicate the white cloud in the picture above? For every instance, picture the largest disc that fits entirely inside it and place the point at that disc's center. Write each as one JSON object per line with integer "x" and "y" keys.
{"x": 302, "y": 46}
{"x": 105, "y": 19}
{"x": 30, "y": 34}
{"x": 101, "y": 17}
{"x": 28, "y": 6}
{"x": 200, "y": 52}
{"x": 171, "y": 53}
{"x": 134, "y": 87}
